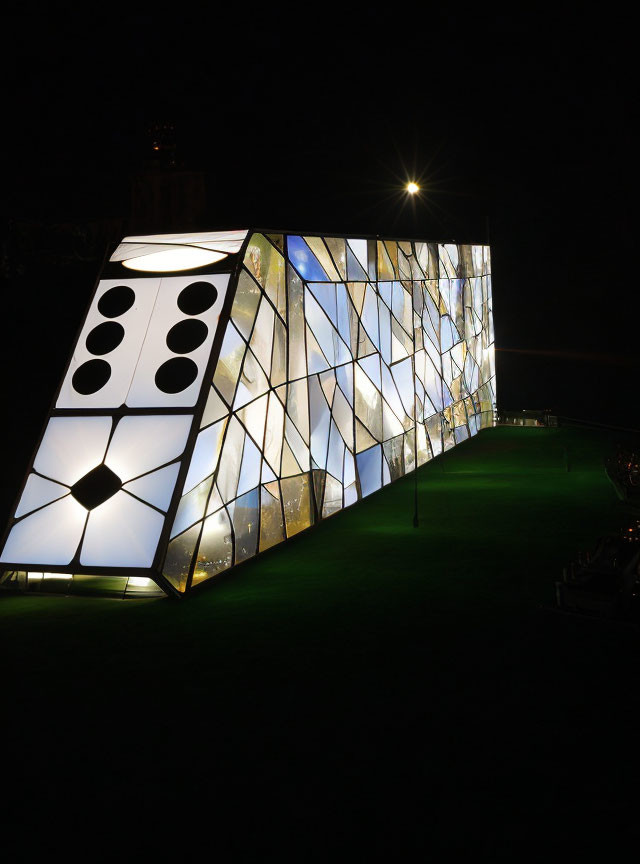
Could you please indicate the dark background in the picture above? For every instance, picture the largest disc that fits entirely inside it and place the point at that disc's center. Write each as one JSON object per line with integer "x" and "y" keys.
{"x": 516, "y": 125}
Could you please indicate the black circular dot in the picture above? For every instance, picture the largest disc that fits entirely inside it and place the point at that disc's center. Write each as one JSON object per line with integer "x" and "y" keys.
{"x": 176, "y": 375}
{"x": 91, "y": 376}
{"x": 105, "y": 337}
{"x": 187, "y": 335}
{"x": 116, "y": 301}
{"x": 197, "y": 298}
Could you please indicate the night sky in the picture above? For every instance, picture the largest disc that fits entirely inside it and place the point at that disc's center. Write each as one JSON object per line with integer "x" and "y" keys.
{"x": 514, "y": 124}
{"x": 518, "y": 128}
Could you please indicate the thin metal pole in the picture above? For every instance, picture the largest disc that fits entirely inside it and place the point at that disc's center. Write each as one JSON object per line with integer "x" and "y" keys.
{"x": 416, "y": 521}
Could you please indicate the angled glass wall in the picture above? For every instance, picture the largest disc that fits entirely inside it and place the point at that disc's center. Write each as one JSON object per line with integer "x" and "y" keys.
{"x": 209, "y": 414}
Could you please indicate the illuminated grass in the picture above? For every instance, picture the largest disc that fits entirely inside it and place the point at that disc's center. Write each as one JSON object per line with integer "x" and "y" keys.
{"x": 359, "y": 647}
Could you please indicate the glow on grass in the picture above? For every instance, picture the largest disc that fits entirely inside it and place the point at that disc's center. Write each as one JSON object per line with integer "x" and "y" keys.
{"x": 34, "y": 577}
{"x": 141, "y": 582}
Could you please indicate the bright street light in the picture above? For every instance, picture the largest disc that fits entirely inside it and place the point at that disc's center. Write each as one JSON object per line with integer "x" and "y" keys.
{"x": 412, "y": 188}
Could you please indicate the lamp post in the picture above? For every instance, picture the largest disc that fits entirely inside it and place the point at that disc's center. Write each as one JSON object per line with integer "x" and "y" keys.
{"x": 412, "y": 189}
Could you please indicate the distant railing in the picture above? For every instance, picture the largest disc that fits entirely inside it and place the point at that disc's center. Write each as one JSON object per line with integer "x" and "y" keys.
{"x": 526, "y": 418}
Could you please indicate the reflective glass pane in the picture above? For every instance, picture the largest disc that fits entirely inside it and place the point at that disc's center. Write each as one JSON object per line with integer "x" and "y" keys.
{"x": 271, "y": 519}
{"x": 267, "y": 266}
{"x": 246, "y": 525}
{"x": 192, "y": 506}
{"x": 179, "y": 556}
{"x": 229, "y": 363}
{"x": 370, "y": 470}
{"x": 305, "y": 261}
{"x": 215, "y": 552}
{"x": 205, "y": 454}
{"x": 296, "y": 497}
{"x": 245, "y": 304}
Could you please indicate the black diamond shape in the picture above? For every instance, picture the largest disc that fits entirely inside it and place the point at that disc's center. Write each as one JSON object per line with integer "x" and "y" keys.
{"x": 96, "y": 487}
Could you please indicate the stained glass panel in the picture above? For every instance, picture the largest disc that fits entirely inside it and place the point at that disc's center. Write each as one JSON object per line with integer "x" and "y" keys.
{"x": 337, "y": 364}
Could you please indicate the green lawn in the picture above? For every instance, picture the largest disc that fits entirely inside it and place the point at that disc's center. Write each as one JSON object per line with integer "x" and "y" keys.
{"x": 404, "y": 679}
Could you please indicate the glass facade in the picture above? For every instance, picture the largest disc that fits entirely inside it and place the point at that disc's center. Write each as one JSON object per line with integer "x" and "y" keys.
{"x": 206, "y": 417}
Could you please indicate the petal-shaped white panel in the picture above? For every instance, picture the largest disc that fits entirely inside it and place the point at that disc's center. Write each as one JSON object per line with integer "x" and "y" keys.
{"x": 157, "y": 487}
{"x": 37, "y": 493}
{"x": 122, "y": 532}
{"x": 140, "y": 444}
{"x": 109, "y": 345}
{"x": 50, "y": 536}
{"x": 170, "y": 369}
{"x": 72, "y": 446}
{"x": 205, "y": 455}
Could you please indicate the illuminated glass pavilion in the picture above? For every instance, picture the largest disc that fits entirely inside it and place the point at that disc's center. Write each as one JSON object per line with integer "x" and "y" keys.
{"x": 230, "y": 389}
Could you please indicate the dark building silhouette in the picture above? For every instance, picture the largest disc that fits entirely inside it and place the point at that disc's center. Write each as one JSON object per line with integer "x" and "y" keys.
{"x": 165, "y": 196}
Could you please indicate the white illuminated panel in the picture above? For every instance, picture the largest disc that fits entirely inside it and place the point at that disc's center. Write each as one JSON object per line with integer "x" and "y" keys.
{"x": 72, "y": 446}
{"x": 178, "y": 342}
{"x": 174, "y": 258}
{"x": 49, "y": 536}
{"x": 228, "y": 242}
{"x": 107, "y": 351}
{"x": 140, "y": 444}
{"x": 37, "y": 493}
{"x": 122, "y": 532}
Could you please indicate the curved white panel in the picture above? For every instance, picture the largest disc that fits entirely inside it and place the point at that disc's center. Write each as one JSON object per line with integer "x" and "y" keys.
{"x": 37, "y": 492}
{"x": 173, "y": 258}
{"x": 50, "y": 536}
{"x": 157, "y": 487}
{"x": 140, "y": 444}
{"x": 222, "y": 241}
{"x": 122, "y": 532}
{"x": 72, "y": 446}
